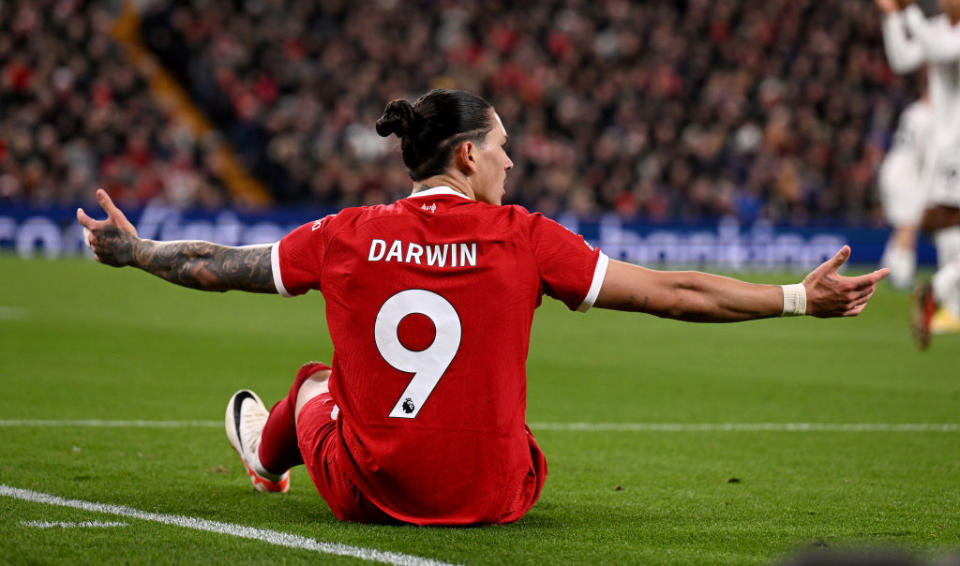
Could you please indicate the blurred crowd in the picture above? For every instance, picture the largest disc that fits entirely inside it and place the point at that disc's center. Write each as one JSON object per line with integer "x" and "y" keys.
{"x": 74, "y": 115}
{"x": 658, "y": 110}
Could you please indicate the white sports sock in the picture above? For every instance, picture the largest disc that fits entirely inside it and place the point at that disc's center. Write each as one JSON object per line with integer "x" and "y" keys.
{"x": 946, "y": 282}
{"x": 902, "y": 263}
{"x": 946, "y": 286}
{"x": 947, "y": 242}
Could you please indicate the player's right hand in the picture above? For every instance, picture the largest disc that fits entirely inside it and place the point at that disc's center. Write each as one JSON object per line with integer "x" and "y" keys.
{"x": 111, "y": 240}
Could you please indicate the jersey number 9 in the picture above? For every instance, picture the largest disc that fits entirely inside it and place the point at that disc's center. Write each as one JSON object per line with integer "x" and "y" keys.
{"x": 427, "y": 365}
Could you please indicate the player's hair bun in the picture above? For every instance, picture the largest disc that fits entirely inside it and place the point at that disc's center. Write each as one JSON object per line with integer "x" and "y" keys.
{"x": 399, "y": 118}
{"x": 432, "y": 127}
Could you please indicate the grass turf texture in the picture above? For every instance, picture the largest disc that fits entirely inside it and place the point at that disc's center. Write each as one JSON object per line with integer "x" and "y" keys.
{"x": 83, "y": 341}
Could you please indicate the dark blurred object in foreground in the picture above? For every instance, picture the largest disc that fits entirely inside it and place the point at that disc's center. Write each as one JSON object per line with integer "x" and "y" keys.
{"x": 865, "y": 557}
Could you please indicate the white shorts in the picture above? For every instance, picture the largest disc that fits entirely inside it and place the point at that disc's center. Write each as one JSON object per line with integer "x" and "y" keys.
{"x": 901, "y": 189}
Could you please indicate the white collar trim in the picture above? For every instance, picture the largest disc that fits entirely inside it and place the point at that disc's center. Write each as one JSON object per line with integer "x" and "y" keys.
{"x": 435, "y": 191}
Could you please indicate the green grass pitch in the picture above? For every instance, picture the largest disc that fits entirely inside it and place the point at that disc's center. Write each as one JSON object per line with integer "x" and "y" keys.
{"x": 83, "y": 341}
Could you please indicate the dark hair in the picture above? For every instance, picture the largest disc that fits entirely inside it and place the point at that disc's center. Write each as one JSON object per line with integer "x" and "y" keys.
{"x": 430, "y": 128}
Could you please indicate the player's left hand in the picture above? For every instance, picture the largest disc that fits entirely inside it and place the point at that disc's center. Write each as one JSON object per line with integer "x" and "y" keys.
{"x": 831, "y": 294}
{"x": 112, "y": 239}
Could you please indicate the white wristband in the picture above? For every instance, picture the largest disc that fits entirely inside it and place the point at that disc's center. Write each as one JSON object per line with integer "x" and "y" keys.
{"x": 794, "y": 300}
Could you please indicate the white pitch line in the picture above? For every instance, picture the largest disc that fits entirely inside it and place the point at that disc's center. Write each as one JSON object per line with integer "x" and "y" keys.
{"x": 13, "y": 313}
{"x": 95, "y": 423}
{"x": 563, "y": 427}
{"x": 265, "y": 535}
{"x": 71, "y": 524}
{"x": 747, "y": 427}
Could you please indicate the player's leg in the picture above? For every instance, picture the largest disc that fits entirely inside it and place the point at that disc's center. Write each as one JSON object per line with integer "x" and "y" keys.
{"x": 279, "y": 450}
{"x": 936, "y": 307}
{"x": 944, "y": 223}
{"x": 902, "y": 199}
{"x": 942, "y": 219}
{"x": 900, "y": 256}
{"x": 317, "y": 384}
{"x": 267, "y": 440}
{"x": 946, "y": 290}
{"x": 326, "y": 456}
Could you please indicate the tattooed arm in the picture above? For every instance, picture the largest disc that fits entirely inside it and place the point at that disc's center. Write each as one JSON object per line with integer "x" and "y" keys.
{"x": 194, "y": 264}
{"x": 701, "y": 297}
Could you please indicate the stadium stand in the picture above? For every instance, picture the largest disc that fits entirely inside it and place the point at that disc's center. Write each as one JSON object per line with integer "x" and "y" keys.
{"x": 659, "y": 110}
{"x": 781, "y": 109}
{"x": 75, "y": 115}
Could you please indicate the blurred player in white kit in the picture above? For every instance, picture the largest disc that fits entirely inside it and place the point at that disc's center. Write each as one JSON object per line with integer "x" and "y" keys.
{"x": 901, "y": 192}
{"x": 911, "y": 41}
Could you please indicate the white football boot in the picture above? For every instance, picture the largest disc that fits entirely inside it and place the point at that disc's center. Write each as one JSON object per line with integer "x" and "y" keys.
{"x": 246, "y": 416}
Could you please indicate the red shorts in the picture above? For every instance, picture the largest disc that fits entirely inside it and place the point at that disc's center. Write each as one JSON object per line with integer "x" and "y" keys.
{"x": 325, "y": 457}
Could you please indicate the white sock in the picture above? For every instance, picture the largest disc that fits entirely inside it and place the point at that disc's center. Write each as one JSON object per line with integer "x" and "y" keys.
{"x": 902, "y": 263}
{"x": 947, "y": 242}
{"x": 946, "y": 282}
{"x": 946, "y": 286}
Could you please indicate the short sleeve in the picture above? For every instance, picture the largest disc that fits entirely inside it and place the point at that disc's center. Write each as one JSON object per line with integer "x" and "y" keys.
{"x": 297, "y": 259}
{"x": 570, "y": 269}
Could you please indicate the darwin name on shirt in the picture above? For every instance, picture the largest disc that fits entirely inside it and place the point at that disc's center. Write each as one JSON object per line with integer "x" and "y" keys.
{"x": 458, "y": 254}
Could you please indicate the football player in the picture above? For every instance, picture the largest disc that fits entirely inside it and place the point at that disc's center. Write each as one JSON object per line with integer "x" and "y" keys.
{"x": 901, "y": 192}
{"x": 911, "y": 41}
{"x": 419, "y": 418}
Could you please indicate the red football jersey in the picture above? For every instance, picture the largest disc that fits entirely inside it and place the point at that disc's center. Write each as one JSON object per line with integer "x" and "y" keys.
{"x": 429, "y": 302}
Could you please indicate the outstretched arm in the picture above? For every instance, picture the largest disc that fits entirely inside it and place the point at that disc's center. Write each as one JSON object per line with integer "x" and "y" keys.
{"x": 904, "y": 54}
{"x": 940, "y": 45}
{"x": 702, "y": 297}
{"x": 194, "y": 264}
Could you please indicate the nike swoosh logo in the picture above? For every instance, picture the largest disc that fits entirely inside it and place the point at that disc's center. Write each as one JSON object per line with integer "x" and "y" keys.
{"x": 237, "y": 403}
